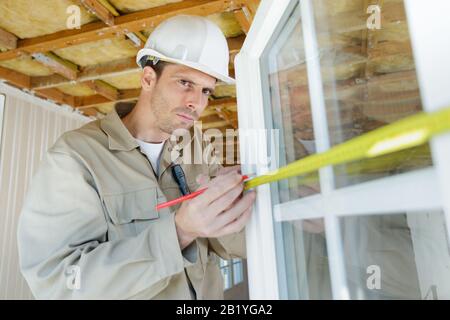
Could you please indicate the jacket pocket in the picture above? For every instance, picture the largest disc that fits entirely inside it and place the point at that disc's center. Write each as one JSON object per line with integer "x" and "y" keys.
{"x": 131, "y": 212}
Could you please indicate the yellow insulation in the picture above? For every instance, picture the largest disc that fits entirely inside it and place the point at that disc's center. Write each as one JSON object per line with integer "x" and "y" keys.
{"x": 32, "y": 18}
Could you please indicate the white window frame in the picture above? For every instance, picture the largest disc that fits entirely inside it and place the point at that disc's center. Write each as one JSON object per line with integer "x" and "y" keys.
{"x": 2, "y": 111}
{"x": 428, "y": 27}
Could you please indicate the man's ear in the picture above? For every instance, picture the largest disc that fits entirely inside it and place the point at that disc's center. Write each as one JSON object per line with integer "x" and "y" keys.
{"x": 148, "y": 79}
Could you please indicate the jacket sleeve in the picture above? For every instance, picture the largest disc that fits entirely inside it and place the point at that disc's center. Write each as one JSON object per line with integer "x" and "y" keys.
{"x": 63, "y": 247}
{"x": 230, "y": 246}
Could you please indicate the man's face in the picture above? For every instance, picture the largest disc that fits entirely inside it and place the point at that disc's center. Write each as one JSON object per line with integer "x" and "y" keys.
{"x": 180, "y": 96}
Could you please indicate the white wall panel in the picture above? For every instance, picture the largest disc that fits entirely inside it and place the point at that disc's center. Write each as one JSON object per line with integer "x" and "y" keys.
{"x": 30, "y": 127}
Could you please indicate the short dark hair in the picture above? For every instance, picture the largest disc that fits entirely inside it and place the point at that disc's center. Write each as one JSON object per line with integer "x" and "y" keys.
{"x": 159, "y": 67}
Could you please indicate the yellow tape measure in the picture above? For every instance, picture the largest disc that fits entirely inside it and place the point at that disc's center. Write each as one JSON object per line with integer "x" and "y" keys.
{"x": 407, "y": 133}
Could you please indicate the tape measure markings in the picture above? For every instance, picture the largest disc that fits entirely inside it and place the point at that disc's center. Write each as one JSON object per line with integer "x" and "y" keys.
{"x": 404, "y": 134}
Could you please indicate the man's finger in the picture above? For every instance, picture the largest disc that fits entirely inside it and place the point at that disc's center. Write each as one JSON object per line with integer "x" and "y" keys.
{"x": 237, "y": 210}
{"x": 238, "y": 224}
{"x": 218, "y": 187}
{"x": 226, "y": 200}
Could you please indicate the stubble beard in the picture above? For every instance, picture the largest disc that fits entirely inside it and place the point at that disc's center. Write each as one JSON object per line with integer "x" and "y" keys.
{"x": 167, "y": 121}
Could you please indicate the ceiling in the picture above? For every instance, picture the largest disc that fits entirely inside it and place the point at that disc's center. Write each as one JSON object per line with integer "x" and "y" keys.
{"x": 92, "y": 67}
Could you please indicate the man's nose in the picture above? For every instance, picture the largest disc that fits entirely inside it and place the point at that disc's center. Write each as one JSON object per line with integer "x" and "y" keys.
{"x": 196, "y": 100}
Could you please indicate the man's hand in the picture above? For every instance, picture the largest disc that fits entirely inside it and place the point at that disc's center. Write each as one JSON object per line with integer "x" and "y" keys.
{"x": 217, "y": 212}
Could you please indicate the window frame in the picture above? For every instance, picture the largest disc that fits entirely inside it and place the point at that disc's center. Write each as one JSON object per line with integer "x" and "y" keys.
{"x": 2, "y": 112}
{"x": 265, "y": 280}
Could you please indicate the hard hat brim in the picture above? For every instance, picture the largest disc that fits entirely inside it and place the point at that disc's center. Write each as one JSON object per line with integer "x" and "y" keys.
{"x": 150, "y": 52}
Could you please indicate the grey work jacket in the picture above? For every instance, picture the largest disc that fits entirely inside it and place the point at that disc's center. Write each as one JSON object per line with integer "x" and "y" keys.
{"x": 89, "y": 229}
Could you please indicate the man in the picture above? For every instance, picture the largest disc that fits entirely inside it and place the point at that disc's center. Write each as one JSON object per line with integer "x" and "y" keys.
{"x": 89, "y": 228}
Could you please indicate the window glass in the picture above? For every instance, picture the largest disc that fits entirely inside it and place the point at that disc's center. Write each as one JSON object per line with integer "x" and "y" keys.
{"x": 290, "y": 107}
{"x": 303, "y": 260}
{"x": 369, "y": 80}
{"x": 232, "y": 271}
{"x": 397, "y": 256}
{"x": 238, "y": 272}
{"x": 226, "y": 274}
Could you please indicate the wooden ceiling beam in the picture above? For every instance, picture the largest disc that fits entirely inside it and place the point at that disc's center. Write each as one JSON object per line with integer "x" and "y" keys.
{"x": 58, "y": 65}
{"x": 132, "y": 22}
{"x": 107, "y": 13}
{"x": 94, "y": 100}
{"x": 7, "y": 40}
{"x": 16, "y": 78}
{"x": 56, "y": 96}
{"x": 228, "y": 116}
{"x": 243, "y": 18}
{"x": 104, "y": 89}
{"x": 45, "y": 82}
{"x": 115, "y": 68}
{"x": 223, "y": 102}
{"x": 236, "y": 43}
{"x": 110, "y": 69}
{"x": 252, "y": 5}
{"x": 99, "y": 10}
{"x": 23, "y": 81}
{"x": 90, "y": 112}
{"x": 230, "y": 105}
{"x": 133, "y": 94}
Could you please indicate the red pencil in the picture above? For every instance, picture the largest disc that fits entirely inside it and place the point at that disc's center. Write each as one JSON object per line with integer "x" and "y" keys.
{"x": 184, "y": 198}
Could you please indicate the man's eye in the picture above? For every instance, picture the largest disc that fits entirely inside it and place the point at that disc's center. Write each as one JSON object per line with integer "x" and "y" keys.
{"x": 184, "y": 83}
{"x": 207, "y": 92}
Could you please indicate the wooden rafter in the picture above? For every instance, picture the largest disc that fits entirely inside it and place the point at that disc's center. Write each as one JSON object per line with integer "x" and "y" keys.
{"x": 114, "y": 68}
{"x": 23, "y": 82}
{"x": 130, "y": 95}
{"x": 252, "y": 6}
{"x": 56, "y": 96}
{"x": 244, "y": 18}
{"x": 109, "y": 6}
{"x": 16, "y": 78}
{"x": 130, "y": 25}
{"x": 235, "y": 43}
{"x": 60, "y": 66}
{"x": 104, "y": 89}
{"x": 228, "y": 116}
{"x": 98, "y": 9}
{"x": 107, "y": 13}
{"x": 224, "y": 103}
{"x": 225, "y": 108}
{"x": 7, "y": 40}
{"x": 132, "y": 22}
{"x": 91, "y": 101}
{"x": 90, "y": 112}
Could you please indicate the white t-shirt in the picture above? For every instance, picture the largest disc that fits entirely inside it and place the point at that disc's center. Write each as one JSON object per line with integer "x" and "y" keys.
{"x": 153, "y": 152}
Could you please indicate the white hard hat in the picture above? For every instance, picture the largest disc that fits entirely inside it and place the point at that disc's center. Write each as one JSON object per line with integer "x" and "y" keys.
{"x": 192, "y": 41}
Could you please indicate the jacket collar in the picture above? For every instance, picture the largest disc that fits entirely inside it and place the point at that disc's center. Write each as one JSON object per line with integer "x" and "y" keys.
{"x": 119, "y": 138}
